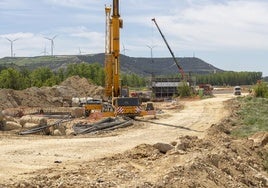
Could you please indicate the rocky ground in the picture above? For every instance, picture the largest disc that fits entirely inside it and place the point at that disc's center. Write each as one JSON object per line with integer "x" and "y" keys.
{"x": 216, "y": 160}
{"x": 203, "y": 154}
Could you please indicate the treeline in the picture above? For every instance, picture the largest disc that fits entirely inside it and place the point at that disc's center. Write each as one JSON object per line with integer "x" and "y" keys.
{"x": 230, "y": 78}
{"x": 133, "y": 80}
{"x": 12, "y": 78}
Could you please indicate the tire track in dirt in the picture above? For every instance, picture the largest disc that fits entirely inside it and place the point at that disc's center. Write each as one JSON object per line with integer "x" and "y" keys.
{"x": 26, "y": 154}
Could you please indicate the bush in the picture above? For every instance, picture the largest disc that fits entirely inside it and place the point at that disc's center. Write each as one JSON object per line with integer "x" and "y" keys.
{"x": 261, "y": 90}
{"x": 184, "y": 90}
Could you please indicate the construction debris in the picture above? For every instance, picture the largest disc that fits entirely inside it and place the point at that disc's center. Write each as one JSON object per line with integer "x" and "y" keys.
{"x": 104, "y": 124}
{"x": 31, "y": 121}
{"x": 43, "y": 127}
{"x": 20, "y": 109}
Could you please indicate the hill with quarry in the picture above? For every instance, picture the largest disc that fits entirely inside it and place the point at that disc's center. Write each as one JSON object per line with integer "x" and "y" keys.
{"x": 139, "y": 65}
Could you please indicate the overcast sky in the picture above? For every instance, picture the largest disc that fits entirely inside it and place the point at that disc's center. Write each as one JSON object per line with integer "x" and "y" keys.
{"x": 229, "y": 34}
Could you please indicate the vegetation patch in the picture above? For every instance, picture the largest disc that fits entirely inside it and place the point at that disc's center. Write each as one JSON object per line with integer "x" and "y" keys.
{"x": 229, "y": 78}
{"x": 261, "y": 90}
{"x": 185, "y": 90}
{"x": 253, "y": 116}
{"x": 12, "y": 78}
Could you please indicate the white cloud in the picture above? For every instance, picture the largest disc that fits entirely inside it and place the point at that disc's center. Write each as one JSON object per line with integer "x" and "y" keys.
{"x": 28, "y": 44}
{"x": 19, "y": 35}
{"x": 7, "y": 4}
{"x": 71, "y": 39}
{"x": 234, "y": 24}
{"x": 81, "y": 4}
{"x": 214, "y": 28}
{"x": 82, "y": 32}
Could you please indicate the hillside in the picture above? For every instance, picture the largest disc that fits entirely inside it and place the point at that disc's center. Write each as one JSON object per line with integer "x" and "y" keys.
{"x": 138, "y": 65}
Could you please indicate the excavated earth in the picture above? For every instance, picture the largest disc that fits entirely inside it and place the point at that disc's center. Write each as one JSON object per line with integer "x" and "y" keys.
{"x": 185, "y": 147}
{"x": 49, "y": 96}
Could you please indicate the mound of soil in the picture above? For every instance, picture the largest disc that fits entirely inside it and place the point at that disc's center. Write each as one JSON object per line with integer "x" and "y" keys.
{"x": 80, "y": 87}
{"x": 49, "y": 96}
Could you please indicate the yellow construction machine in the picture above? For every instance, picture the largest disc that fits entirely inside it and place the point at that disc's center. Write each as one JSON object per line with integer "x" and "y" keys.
{"x": 119, "y": 100}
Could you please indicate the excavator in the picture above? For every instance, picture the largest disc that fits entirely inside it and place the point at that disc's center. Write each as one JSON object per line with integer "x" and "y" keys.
{"x": 119, "y": 102}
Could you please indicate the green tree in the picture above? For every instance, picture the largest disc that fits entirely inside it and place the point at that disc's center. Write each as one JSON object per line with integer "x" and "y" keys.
{"x": 42, "y": 77}
{"x": 11, "y": 78}
{"x": 184, "y": 90}
{"x": 229, "y": 78}
{"x": 61, "y": 74}
{"x": 26, "y": 77}
{"x": 94, "y": 72}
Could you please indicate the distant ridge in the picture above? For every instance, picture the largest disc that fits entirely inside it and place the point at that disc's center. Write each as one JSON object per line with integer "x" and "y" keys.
{"x": 139, "y": 65}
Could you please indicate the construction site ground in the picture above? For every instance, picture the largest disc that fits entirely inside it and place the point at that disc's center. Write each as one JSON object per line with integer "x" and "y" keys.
{"x": 204, "y": 154}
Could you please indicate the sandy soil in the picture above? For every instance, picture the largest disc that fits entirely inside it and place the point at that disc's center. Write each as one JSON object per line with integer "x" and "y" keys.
{"x": 22, "y": 155}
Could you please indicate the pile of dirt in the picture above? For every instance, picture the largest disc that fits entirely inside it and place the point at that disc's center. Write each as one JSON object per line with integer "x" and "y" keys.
{"x": 54, "y": 96}
{"x": 80, "y": 87}
{"x": 217, "y": 160}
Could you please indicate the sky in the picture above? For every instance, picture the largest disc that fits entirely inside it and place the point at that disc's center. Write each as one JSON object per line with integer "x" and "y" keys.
{"x": 228, "y": 34}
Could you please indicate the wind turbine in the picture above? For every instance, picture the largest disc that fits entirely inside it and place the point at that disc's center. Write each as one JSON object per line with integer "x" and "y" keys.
{"x": 124, "y": 49}
{"x": 52, "y": 43}
{"x": 151, "y": 49}
{"x": 45, "y": 51}
{"x": 11, "y": 46}
{"x": 80, "y": 52}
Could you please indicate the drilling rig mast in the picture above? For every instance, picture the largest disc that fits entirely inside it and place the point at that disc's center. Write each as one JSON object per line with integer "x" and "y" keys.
{"x": 112, "y": 50}
{"x": 122, "y": 104}
{"x": 119, "y": 102}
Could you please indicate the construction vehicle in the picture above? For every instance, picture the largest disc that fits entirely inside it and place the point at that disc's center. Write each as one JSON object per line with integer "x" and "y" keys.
{"x": 237, "y": 90}
{"x": 93, "y": 104}
{"x": 171, "y": 52}
{"x": 117, "y": 96}
{"x": 206, "y": 89}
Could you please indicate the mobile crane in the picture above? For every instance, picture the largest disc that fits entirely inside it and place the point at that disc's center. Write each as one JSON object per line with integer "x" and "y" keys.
{"x": 172, "y": 54}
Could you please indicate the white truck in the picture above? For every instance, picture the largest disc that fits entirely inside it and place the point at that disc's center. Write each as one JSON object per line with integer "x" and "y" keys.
{"x": 237, "y": 90}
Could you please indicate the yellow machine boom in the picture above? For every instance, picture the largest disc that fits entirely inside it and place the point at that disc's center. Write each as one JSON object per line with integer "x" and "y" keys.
{"x": 112, "y": 50}
{"x": 120, "y": 102}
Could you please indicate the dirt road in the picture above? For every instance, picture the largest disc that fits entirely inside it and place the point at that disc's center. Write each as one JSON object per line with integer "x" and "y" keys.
{"x": 20, "y": 154}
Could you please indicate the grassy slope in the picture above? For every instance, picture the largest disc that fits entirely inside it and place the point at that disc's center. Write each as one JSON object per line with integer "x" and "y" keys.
{"x": 253, "y": 116}
{"x": 141, "y": 66}
{"x": 22, "y": 61}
